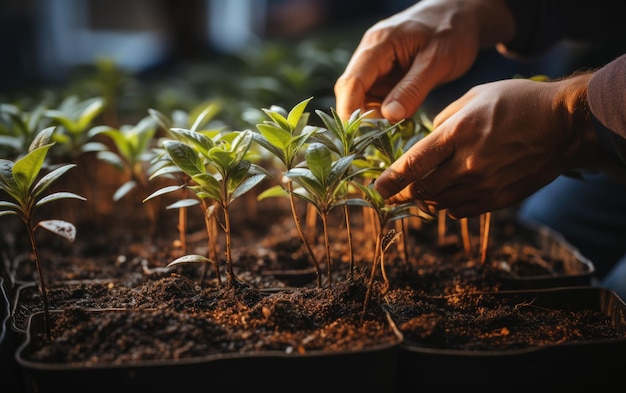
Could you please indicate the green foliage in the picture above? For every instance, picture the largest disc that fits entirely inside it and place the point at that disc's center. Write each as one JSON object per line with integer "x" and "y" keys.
{"x": 74, "y": 119}
{"x": 19, "y": 180}
{"x": 322, "y": 185}
{"x": 219, "y": 170}
{"x": 19, "y": 127}
{"x": 131, "y": 151}
{"x": 322, "y": 181}
{"x": 285, "y": 134}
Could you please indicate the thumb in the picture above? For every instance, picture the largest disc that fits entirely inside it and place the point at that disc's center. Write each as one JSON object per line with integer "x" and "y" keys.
{"x": 422, "y": 158}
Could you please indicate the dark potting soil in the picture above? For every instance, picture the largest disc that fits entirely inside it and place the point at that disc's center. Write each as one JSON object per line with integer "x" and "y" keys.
{"x": 163, "y": 311}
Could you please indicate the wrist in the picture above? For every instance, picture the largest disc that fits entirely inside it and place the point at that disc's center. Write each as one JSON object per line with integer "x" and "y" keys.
{"x": 584, "y": 149}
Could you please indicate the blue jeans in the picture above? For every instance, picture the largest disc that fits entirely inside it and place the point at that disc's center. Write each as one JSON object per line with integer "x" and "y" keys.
{"x": 590, "y": 213}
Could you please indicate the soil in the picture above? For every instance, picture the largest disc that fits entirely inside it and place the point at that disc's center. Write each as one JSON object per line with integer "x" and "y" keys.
{"x": 161, "y": 313}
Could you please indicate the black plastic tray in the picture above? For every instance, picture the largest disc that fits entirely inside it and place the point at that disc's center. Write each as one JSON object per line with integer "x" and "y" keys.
{"x": 591, "y": 365}
{"x": 371, "y": 369}
{"x": 578, "y": 269}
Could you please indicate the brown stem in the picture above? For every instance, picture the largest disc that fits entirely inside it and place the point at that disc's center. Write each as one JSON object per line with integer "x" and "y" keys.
{"x": 484, "y": 244}
{"x": 441, "y": 227}
{"x": 467, "y": 246}
{"x": 296, "y": 220}
{"x": 327, "y": 244}
{"x": 42, "y": 282}
{"x": 346, "y": 213}
{"x": 229, "y": 260}
{"x": 211, "y": 229}
{"x": 370, "y": 283}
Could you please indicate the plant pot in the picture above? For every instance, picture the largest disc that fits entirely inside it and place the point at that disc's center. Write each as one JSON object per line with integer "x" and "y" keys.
{"x": 519, "y": 257}
{"x": 10, "y": 380}
{"x": 575, "y": 268}
{"x": 499, "y": 341}
{"x": 291, "y": 363}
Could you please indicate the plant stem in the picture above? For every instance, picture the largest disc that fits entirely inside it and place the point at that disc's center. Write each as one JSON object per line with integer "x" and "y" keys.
{"x": 467, "y": 246}
{"x": 484, "y": 243}
{"x": 327, "y": 244}
{"x": 346, "y": 213}
{"x": 210, "y": 225}
{"x": 42, "y": 283}
{"x": 296, "y": 219}
{"x": 370, "y": 283}
{"x": 441, "y": 227}
{"x": 229, "y": 260}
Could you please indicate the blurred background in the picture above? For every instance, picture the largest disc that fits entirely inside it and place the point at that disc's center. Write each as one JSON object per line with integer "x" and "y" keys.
{"x": 47, "y": 42}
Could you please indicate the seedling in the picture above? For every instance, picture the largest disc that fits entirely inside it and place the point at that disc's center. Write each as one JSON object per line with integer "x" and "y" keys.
{"x": 322, "y": 186}
{"x": 17, "y": 179}
{"x": 386, "y": 214}
{"x": 74, "y": 119}
{"x": 220, "y": 171}
{"x": 285, "y": 135}
{"x": 132, "y": 152}
{"x": 196, "y": 120}
{"x": 19, "y": 127}
{"x": 352, "y": 136}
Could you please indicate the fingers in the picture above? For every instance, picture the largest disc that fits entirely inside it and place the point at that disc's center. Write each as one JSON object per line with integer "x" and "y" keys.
{"x": 368, "y": 64}
{"x": 423, "y": 157}
{"x": 409, "y": 93}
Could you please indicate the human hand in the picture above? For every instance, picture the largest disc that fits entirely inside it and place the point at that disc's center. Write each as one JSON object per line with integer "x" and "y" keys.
{"x": 402, "y": 58}
{"x": 497, "y": 144}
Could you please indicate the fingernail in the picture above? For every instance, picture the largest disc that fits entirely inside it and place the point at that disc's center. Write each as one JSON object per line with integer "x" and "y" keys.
{"x": 394, "y": 110}
{"x": 381, "y": 190}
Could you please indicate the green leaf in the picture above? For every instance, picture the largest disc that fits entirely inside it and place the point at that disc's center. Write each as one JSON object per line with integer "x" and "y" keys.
{"x": 50, "y": 178}
{"x": 247, "y": 185}
{"x": 209, "y": 185}
{"x": 7, "y": 182}
{"x": 296, "y": 113}
{"x": 196, "y": 140}
{"x": 205, "y": 116}
{"x": 163, "y": 191}
{"x": 14, "y": 208}
{"x": 339, "y": 169}
{"x": 59, "y": 195}
{"x": 191, "y": 259}
{"x": 275, "y": 136}
{"x": 124, "y": 189}
{"x": 185, "y": 157}
{"x": 42, "y": 138}
{"x": 319, "y": 159}
{"x": 26, "y": 169}
{"x": 59, "y": 227}
{"x": 183, "y": 203}
{"x": 7, "y": 212}
{"x": 275, "y": 191}
{"x": 91, "y": 108}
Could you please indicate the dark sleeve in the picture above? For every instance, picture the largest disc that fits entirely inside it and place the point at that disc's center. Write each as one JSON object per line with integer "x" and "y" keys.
{"x": 606, "y": 95}
{"x": 540, "y": 24}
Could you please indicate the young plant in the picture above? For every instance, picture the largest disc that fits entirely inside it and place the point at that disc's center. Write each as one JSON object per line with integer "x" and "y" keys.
{"x": 129, "y": 152}
{"x": 19, "y": 181}
{"x": 74, "y": 119}
{"x": 386, "y": 214}
{"x": 352, "y": 136}
{"x": 163, "y": 166}
{"x": 285, "y": 135}
{"x": 19, "y": 127}
{"x": 322, "y": 186}
{"x": 221, "y": 173}
{"x": 132, "y": 151}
